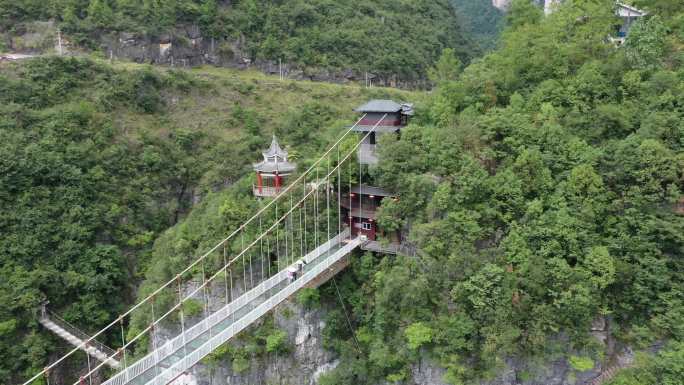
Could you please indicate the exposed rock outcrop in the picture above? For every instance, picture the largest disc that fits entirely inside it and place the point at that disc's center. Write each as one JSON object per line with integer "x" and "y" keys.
{"x": 184, "y": 46}
{"x": 307, "y": 360}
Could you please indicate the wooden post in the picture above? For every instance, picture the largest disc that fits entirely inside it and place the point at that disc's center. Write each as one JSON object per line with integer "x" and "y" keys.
{"x": 260, "y": 183}
{"x": 59, "y": 41}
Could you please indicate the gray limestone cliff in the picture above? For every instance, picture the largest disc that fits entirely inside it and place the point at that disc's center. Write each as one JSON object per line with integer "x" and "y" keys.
{"x": 183, "y": 46}
{"x": 306, "y": 358}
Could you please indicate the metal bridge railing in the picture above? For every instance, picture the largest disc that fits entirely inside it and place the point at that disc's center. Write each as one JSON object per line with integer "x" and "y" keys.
{"x": 312, "y": 214}
{"x": 76, "y": 332}
{"x": 193, "y": 358}
{"x": 229, "y": 320}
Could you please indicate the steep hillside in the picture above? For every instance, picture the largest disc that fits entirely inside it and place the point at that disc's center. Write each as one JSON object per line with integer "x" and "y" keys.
{"x": 97, "y": 161}
{"x": 540, "y": 186}
{"x": 481, "y": 20}
{"x": 388, "y": 38}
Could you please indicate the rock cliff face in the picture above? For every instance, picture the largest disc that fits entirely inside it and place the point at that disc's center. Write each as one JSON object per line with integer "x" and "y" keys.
{"x": 307, "y": 359}
{"x": 303, "y": 365}
{"x": 185, "y": 46}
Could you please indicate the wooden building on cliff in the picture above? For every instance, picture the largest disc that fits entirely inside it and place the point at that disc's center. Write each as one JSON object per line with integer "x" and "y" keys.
{"x": 360, "y": 204}
{"x": 381, "y": 117}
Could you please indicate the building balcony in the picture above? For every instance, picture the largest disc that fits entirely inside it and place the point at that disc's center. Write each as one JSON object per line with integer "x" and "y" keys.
{"x": 266, "y": 191}
{"x": 365, "y": 211}
{"x": 390, "y": 248}
{"x": 367, "y": 154}
{"x": 387, "y": 122}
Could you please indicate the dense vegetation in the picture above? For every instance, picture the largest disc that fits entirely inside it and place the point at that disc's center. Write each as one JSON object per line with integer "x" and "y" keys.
{"x": 400, "y": 38}
{"x": 538, "y": 183}
{"x": 539, "y": 186}
{"x": 97, "y": 161}
{"x": 481, "y": 20}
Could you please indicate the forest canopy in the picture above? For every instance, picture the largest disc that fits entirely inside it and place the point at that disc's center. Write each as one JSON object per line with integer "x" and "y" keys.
{"x": 400, "y": 38}
{"x": 540, "y": 186}
{"x": 539, "y": 183}
{"x": 99, "y": 160}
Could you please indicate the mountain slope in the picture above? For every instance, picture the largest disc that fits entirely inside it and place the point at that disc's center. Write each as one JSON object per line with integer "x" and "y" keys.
{"x": 389, "y": 38}
{"x": 481, "y": 20}
{"x": 97, "y": 161}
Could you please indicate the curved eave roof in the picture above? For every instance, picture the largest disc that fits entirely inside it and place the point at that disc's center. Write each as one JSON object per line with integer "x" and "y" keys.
{"x": 275, "y": 150}
{"x": 281, "y": 167}
{"x": 380, "y": 105}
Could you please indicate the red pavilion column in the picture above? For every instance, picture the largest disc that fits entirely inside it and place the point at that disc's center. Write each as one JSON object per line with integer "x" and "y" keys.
{"x": 260, "y": 182}
{"x": 277, "y": 182}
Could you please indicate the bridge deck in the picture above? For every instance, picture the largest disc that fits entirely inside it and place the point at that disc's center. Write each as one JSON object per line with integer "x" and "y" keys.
{"x": 182, "y": 352}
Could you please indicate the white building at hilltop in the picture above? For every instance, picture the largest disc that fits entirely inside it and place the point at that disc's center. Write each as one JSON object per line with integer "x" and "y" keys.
{"x": 628, "y": 14}
{"x": 551, "y": 5}
{"x": 501, "y": 4}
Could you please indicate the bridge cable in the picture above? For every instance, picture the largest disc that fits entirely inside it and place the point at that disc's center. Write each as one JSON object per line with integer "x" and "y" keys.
{"x": 301, "y": 232}
{"x": 339, "y": 193}
{"x": 327, "y": 199}
{"x": 90, "y": 375}
{"x": 225, "y": 273}
{"x": 289, "y": 256}
{"x": 154, "y": 343}
{"x": 304, "y": 194}
{"x": 276, "y": 223}
{"x": 123, "y": 342}
{"x": 360, "y": 195}
{"x": 182, "y": 318}
{"x": 251, "y": 268}
{"x": 274, "y": 226}
{"x": 261, "y": 251}
{"x": 241, "y": 255}
{"x": 206, "y": 297}
{"x": 344, "y": 309}
{"x": 293, "y": 253}
{"x": 268, "y": 252}
{"x": 244, "y": 267}
{"x": 351, "y": 209}
{"x": 315, "y": 186}
{"x": 193, "y": 264}
{"x": 232, "y": 313}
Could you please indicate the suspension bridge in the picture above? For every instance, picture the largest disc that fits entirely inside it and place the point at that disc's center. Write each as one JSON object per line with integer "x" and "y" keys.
{"x": 297, "y": 239}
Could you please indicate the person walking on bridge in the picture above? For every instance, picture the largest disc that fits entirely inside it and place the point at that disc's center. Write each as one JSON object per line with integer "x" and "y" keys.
{"x": 300, "y": 265}
{"x": 291, "y": 274}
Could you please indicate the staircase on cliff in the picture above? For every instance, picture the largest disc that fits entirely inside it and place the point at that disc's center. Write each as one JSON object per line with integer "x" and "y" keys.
{"x": 77, "y": 338}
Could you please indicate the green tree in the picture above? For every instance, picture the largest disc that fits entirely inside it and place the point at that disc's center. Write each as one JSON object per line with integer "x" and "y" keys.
{"x": 646, "y": 44}
{"x": 418, "y": 334}
{"x": 100, "y": 14}
{"x": 446, "y": 69}
{"x": 522, "y": 12}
